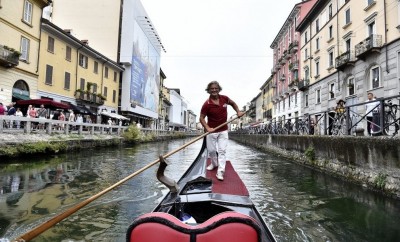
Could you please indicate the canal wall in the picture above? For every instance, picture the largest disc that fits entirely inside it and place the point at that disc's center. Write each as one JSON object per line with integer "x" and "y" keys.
{"x": 21, "y": 145}
{"x": 373, "y": 162}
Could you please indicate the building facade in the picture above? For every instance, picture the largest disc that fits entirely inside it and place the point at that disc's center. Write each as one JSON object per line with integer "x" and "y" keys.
{"x": 285, "y": 73}
{"x": 70, "y": 71}
{"x": 348, "y": 49}
{"x": 19, "y": 48}
{"x": 123, "y": 31}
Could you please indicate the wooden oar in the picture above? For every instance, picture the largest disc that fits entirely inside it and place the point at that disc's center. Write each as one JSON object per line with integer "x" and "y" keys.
{"x": 48, "y": 224}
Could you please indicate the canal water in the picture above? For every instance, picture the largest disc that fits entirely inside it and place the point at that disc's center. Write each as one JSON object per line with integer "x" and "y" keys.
{"x": 299, "y": 204}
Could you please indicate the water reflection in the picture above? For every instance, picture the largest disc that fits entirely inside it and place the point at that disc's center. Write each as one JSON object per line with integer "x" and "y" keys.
{"x": 298, "y": 203}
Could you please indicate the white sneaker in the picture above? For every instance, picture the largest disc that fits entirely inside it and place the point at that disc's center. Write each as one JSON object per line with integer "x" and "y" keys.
{"x": 211, "y": 167}
{"x": 220, "y": 176}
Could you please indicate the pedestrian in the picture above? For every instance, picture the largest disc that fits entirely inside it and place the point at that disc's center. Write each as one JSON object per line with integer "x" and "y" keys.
{"x": 19, "y": 113}
{"x": 2, "y": 110}
{"x": 215, "y": 108}
{"x": 31, "y": 113}
{"x": 11, "y": 112}
{"x": 370, "y": 109}
{"x": 42, "y": 114}
{"x": 61, "y": 118}
{"x": 110, "y": 122}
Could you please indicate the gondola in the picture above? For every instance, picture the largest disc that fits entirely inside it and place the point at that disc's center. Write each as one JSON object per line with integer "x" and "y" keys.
{"x": 199, "y": 208}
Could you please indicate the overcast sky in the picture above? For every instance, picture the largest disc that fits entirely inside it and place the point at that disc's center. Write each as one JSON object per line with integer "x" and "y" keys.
{"x": 223, "y": 40}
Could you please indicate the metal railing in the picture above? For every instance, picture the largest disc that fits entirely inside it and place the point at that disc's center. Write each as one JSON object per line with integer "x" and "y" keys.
{"x": 349, "y": 120}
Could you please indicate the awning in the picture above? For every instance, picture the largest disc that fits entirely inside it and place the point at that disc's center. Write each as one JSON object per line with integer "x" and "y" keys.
{"x": 114, "y": 115}
{"x": 81, "y": 109}
{"x": 172, "y": 124}
{"x": 48, "y": 103}
{"x": 20, "y": 96}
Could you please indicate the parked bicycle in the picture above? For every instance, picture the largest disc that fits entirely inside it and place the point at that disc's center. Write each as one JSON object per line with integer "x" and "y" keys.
{"x": 391, "y": 121}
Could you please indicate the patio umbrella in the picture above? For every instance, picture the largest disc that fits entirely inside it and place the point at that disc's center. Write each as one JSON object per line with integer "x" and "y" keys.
{"x": 48, "y": 103}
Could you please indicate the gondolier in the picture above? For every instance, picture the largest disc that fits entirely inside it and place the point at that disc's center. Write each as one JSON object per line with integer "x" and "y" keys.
{"x": 216, "y": 111}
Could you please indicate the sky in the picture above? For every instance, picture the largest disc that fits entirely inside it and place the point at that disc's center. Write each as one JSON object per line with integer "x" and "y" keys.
{"x": 224, "y": 40}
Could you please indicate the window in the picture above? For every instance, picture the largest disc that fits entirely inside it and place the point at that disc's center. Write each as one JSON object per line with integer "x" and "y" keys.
{"x": 114, "y": 97}
{"x": 24, "y": 49}
{"x": 28, "y": 8}
{"x": 82, "y": 84}
{"x": 318, "y": 95}
{"x": 316, "y": 26}
{"x": 94, "y": 88}
{"x": 330, "y": 32}
{"x": 347, "y": 19}
{"x": 295, "y": 99}
{"x": 96, "y": 67}
{"x": 67, "y": 80}
{"x": 306, "y": 100}
{"x": 369, "y": 2}
{"x": 350, "y": 86}
{"x": 317, "y": 44}
{"x": 331, "y": 90}
{"x": 348, "y": 45}
{"x": 305, "y": 37}
{"x": 49, "y": 75}
{"x": 115, "y": 76}
{"x": 305, "y": 54}
{"x": 68, "y": 53}
{"x": 371, "y": 28}
{"x": 50, "y": 44}
{"x": 330, "y": 59}
{"x": 375, "y": 77}
{"x": 83, "y": 61}
{"x": 330, "y": 12}
{"x": 106, "y": 72}
{"x": 306, "y": 73}
{"x": 317, "y": 68}
{"x": 105, "y": 91}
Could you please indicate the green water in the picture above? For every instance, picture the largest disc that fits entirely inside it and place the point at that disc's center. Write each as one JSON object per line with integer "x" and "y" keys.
{"x": 297, "y": 203}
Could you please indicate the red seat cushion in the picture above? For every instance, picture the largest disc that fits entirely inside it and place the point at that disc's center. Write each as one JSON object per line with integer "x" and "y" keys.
{"x": 224, "y": 227}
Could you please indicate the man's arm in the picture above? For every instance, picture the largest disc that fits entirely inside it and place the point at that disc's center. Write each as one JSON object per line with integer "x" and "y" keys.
{"x": 204, "y": 123}
{"x": 236, "y": 108}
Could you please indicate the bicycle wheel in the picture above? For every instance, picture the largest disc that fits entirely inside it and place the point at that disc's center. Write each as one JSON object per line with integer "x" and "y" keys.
{"x": 391, "y": 127}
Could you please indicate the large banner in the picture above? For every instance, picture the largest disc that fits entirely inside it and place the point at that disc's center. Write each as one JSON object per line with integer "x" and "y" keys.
{"x": 145, "y": 76}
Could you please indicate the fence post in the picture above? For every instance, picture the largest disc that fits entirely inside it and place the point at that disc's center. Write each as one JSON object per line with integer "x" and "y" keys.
{"x": 348, "y": 121}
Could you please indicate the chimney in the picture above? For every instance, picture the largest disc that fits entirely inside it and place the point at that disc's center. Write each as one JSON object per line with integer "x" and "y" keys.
{"x": 68, "y": 31}
{"x": 85, "y": 42}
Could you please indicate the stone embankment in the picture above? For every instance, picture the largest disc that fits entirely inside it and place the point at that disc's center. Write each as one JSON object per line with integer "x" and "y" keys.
{"x": 373, "y": 162}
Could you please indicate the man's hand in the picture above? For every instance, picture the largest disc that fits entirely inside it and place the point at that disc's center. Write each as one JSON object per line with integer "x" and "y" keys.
{"x": 210, "y": 130}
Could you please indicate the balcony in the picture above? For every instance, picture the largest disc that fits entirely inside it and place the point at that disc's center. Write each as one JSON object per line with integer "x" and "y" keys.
{"x": 344, "y": 60}
{"x": 89, "y": 97}
{"x": 294, "y": 66}
{"x": 293, "y": 47}
{"x": 8, "y": 57}
{"x": 371, "y": 44}
{"x": 303, "y": 84}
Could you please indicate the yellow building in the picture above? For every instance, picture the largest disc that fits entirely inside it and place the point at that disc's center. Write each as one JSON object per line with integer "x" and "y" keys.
{"x": 267, "y": 90}
{"x": 70, "y": 71}
{"x": 19, "y": 48}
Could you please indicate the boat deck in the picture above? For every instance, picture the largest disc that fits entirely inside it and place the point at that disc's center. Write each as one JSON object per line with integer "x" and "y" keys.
{"x": 232, "y": 184}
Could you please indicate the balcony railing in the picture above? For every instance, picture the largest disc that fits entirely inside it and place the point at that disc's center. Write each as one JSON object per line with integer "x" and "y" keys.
{"x": 89, "y": 97}
{"x": 303, "y": 84}
{"x": 345, "y": 59}
{"x": 294, "y": 66}
{"x": 8, "y": 58}
{"x": 293, "y": 47}
{"x": 370, "y": 44}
